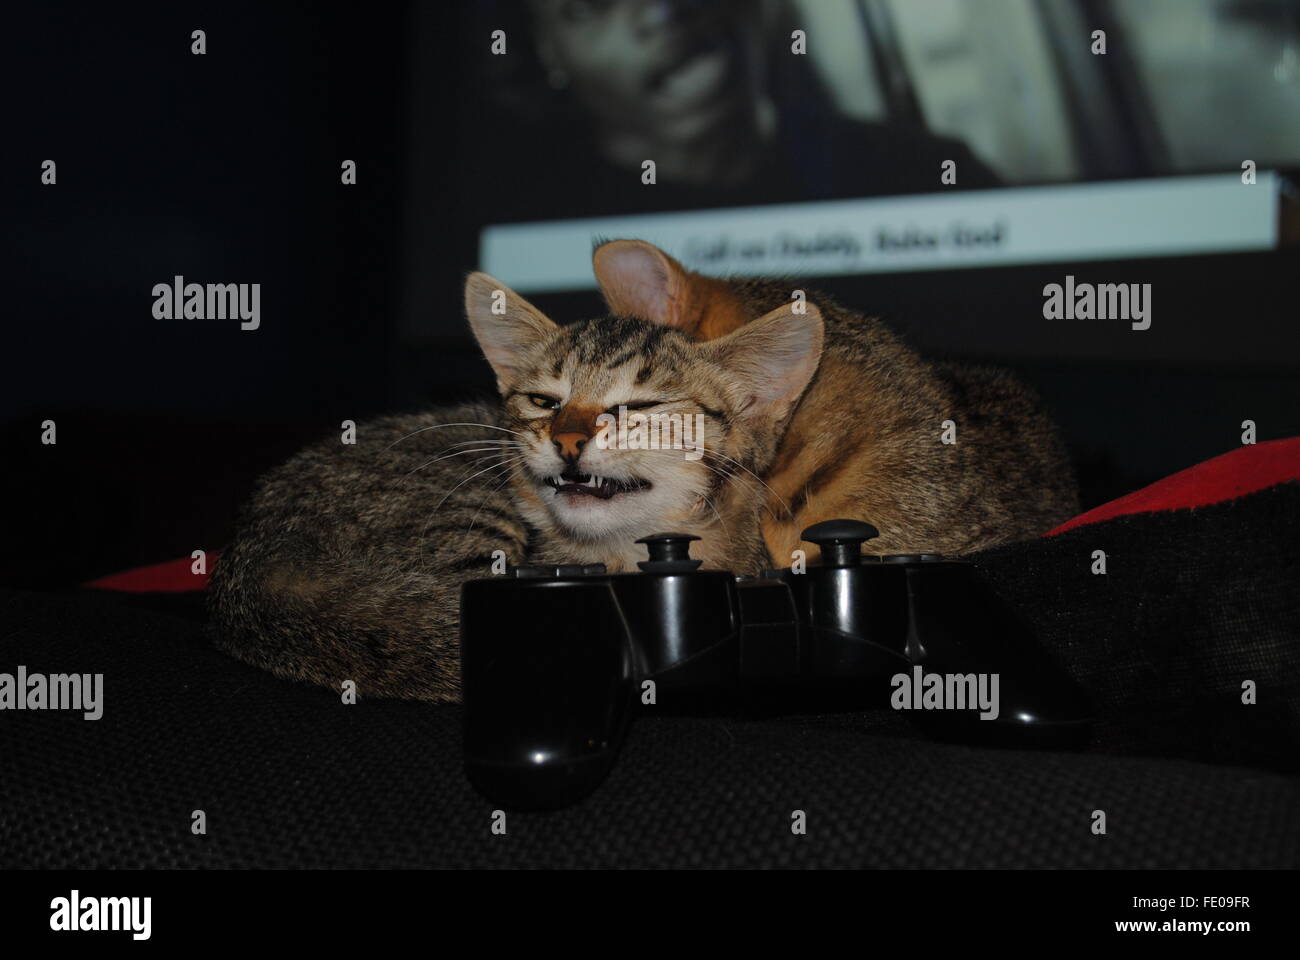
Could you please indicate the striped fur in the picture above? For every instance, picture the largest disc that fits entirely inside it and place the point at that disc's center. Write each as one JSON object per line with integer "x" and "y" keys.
{"x": 342, "y": 569}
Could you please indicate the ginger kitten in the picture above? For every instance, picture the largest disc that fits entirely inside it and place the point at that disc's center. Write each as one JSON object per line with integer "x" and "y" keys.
{"x": 348, "y": 561}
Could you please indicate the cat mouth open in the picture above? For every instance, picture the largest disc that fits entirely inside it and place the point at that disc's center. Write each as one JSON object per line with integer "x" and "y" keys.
{"x": 570, "y": 483}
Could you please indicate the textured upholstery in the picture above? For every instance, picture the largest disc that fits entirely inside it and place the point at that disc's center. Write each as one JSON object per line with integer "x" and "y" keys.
{"x": 288, "y": 776}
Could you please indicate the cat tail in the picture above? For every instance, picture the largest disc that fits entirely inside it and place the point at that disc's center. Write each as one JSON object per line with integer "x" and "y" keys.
{"x": 347, "y": 562}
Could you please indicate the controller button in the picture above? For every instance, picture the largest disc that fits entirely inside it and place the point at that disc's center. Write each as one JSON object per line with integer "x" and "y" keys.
{"x": 840, "y": 540}
{"x": 669, "y": 553}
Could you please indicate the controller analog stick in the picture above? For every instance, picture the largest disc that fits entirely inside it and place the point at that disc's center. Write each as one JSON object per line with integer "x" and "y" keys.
{"x": 840, "y": 540}
{"x": 669, "y": 553}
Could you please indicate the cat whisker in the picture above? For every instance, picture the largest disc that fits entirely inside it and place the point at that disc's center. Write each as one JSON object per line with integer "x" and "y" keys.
{"x": 499, "y": 484}
{"x": 475, "y": 462}
{"x": 471, "y": 477}
{"x": 779, "y": 498}
{"x": 725, "y": 475}
{"x": 722, "y": 523}
{"x": 440, "y": 426}
{"x": 458, "y": 453}
{"x": 438, "y": 506}
{"x": 728, "y": 475}
{"x": 494, "y": 442}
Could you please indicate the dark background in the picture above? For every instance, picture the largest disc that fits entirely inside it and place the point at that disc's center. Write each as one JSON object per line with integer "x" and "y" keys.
{"x": 225, "y": 168}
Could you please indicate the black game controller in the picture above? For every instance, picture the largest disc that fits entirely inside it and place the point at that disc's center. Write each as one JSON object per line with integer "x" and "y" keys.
{"x": 555, "y": 659}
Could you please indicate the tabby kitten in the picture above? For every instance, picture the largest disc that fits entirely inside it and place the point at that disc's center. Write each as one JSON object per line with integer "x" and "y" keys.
{"x": 348, "y": 561}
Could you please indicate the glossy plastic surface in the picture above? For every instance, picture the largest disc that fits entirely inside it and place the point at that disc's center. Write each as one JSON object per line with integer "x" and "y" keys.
{"x": 548, "y": 685}
{"x": 840, "y": 541}
{"x": 959, "y": 626}
{"x": 555, "y": 657}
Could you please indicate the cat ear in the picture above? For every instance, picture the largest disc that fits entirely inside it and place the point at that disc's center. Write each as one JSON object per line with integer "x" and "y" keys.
{"x": 508, "y": 328}
{"x": 770, "y": 361}
{"x": 638, "y": 279}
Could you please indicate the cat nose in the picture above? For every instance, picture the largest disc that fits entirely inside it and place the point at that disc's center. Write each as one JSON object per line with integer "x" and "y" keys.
{"x": 569, "y": 445}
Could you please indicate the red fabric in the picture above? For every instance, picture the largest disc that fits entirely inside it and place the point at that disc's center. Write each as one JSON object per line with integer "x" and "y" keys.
{"x": 1234, "y": 474}
{"x": 1226, "y": 477}
{"x": 174, "y": 576}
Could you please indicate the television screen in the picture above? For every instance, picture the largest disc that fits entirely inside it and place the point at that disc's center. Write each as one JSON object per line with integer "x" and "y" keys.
{"x": 841, "y": 137}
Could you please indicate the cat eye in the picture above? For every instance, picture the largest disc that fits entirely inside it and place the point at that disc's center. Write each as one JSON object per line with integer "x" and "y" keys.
{"x": 642, "y": 404}
{"x": 543, "y": 401}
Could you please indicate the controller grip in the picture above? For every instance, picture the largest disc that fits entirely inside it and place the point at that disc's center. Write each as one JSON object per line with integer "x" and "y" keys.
{"x": 548, "y": 686}
{"x": 962, "y": 628}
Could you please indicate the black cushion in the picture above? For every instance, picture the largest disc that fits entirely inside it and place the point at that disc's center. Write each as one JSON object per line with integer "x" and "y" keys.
{"x": 289, "y": 776}
{"x": 1193, "y": 604}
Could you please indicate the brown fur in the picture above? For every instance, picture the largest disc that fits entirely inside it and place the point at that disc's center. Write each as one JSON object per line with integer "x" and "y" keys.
{"x": 1006, "y": 478}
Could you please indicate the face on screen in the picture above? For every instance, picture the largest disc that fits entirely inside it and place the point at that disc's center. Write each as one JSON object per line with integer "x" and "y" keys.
{"x": 665, "y": 69}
